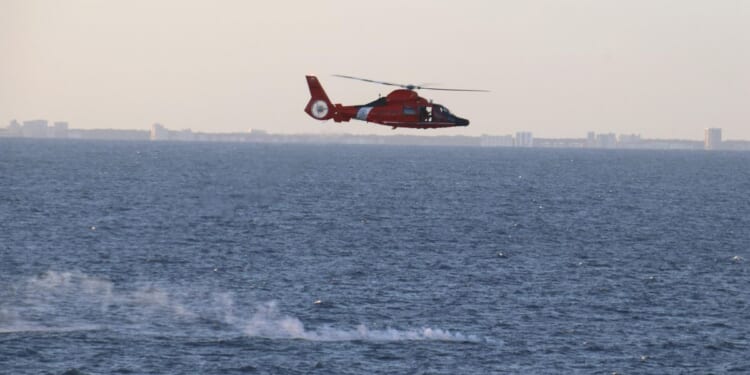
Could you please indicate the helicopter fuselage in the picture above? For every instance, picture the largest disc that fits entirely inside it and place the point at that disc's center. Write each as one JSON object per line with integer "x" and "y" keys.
{"x": 401, "y": 108}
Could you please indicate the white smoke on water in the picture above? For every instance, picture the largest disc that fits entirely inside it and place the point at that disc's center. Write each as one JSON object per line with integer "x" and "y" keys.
{"x": 70, "y": 301}
{"x": 55, "y": 301}
{"x": 27, "y": 309}
{"x": 268, "y": 322}
{"x": 53, "y": 287}
{"x": 66, "y": 282}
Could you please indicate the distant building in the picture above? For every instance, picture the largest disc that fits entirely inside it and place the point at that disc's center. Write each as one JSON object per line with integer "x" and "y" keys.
{"x": 60, "y": 129}
{"x": 37, "y": 129}
{"x": 712, "y": 139}
{"x": 110, "y": 134}
{"x": 608, "y": 140}
{"x": 13, "y": 129}
{"x": 34, "y": 129}
{"x": 629, "y": 140}
{"x": 590, "y": 139}
{"x": 185, "y": 135}
{"x": 496, "y": 141}
{"x": 524, "y": 139}
{"x": 560, "y": 142}
{"x": 159, "y": 132}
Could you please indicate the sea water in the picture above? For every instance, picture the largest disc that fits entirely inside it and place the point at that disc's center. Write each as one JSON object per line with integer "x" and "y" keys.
{"x": 175, "y": 258}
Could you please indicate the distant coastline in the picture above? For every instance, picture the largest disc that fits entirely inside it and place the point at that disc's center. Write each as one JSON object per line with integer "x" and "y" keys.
{"x": 159, "y": 133}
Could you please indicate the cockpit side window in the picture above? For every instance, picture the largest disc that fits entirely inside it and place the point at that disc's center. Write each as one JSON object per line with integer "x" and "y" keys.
{"x": 410, "y": 110}
{"x": 441, "y": 109}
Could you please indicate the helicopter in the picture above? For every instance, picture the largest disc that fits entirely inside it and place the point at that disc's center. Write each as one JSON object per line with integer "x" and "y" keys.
{"x": 402, "y": 108}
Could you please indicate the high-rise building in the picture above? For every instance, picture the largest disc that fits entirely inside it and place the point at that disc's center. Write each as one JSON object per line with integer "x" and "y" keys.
{"x": 159, "y": 132}
{"x": 608, "y": 140}
{"x": 712, "y": 139}
{"x": 591, "y": 139}
{"x": 524, "y": 139}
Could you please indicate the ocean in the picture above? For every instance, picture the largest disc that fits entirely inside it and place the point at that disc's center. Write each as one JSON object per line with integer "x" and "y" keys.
{"x": 200, "y": 258}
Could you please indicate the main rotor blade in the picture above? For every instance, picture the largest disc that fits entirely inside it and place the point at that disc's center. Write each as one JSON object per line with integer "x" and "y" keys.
{"x": 408, "y": 87}
{"x": 370, "y": 80}
{"x": 439, "y": 89}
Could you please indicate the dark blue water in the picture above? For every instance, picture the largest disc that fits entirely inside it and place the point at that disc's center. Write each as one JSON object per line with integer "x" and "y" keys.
{"x": 164, "y": 258}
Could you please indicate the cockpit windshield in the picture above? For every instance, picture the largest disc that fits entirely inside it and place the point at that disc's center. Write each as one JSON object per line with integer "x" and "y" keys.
{"x": 440, "y": 108}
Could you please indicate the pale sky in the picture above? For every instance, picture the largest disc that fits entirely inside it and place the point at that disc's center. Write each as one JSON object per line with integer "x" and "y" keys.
{"x": 557, "y": 68}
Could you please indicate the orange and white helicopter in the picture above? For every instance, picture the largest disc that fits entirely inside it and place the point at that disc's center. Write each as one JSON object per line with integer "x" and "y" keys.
{"x": 402, "y": 108}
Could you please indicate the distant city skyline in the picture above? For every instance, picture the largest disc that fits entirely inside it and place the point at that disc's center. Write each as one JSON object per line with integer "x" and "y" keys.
{"x": 523, "y": 139}
{"x": 558, "y": 68}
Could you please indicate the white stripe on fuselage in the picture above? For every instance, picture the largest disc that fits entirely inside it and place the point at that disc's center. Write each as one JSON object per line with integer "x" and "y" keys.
{"x": 363, "y": 113}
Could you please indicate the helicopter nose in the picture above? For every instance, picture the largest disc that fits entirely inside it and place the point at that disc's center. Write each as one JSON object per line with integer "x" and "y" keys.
{"x": 462, "y": 121}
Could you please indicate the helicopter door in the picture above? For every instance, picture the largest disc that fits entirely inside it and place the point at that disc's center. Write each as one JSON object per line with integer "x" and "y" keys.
{"x": 425, "y": 114}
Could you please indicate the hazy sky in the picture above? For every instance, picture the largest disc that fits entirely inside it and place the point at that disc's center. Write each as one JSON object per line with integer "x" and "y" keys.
{"x": 558, "y": 68}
